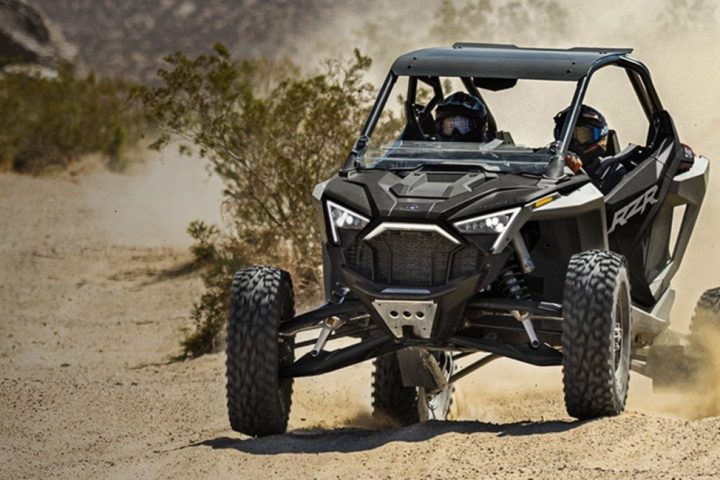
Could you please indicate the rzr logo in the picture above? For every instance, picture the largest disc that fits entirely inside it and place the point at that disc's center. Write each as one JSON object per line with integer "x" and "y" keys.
{"x": 633, "y": 208}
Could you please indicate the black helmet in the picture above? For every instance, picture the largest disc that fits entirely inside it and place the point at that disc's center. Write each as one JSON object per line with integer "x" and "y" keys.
{"x": 462, "y": 117}
{"x": 591, "y": 128}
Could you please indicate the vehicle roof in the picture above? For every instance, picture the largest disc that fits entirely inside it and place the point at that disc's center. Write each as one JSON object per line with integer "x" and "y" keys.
{"x": 486, "y": 60}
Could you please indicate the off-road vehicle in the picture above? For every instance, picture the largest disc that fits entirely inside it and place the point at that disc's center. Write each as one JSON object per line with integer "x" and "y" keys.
{"x": 434, "y": 251}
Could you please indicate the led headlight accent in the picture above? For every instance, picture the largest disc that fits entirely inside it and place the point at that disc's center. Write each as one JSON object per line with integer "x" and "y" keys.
{"x": 495, "y": 222}
{"x": 341, "y": 217}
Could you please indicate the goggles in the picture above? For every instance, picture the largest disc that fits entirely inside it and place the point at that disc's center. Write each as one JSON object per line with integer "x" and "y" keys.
{"x": 448, "y": 124}
{"x": 585, "y": 135}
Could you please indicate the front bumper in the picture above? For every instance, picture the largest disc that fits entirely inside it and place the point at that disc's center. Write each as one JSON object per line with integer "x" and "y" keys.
{"x": 423, "y": 313}
{"x": 415, "y": 278}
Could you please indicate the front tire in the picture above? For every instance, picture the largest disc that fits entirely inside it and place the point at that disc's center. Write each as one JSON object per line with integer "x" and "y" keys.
{"x": 258, "y": 400}
{"x": 596, "y": 335}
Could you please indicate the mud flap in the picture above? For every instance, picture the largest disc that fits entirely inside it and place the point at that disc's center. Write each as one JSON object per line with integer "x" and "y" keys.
{"x": 419, "y": 368}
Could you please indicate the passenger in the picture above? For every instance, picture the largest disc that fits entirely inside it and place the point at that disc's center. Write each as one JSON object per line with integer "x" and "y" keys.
{"x": 589, "y": 143}
{"x": 462, "y": 117}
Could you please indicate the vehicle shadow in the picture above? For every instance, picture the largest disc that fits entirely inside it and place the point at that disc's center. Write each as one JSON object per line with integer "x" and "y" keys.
{"x": 346, "y": 440}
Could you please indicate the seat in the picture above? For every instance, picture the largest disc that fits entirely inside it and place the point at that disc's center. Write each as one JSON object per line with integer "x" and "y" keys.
{"x": 613, "y": 144}
{"x": 506, "y": 137}
{"x": 612, "y": 168}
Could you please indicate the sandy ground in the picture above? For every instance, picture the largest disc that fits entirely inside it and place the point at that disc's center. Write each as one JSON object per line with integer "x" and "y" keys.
{"x": 94, "y": 297}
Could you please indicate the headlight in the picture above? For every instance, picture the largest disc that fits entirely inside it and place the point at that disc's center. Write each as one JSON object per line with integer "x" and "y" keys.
{"x": 342, "y": 218}
{"x": 492, "y": 223}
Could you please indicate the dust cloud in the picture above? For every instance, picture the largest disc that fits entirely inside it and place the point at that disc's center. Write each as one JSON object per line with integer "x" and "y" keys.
{"x": 693, "y": 398}
{"x": 706, "y": 401}
{"x": 153, "y": 203}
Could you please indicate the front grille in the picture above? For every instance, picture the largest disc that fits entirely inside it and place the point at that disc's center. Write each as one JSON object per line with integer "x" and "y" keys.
{"x": 412, "y": 259}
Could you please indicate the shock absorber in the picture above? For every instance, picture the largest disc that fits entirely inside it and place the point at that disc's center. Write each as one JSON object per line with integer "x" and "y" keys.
{"x": 512, "y": 284}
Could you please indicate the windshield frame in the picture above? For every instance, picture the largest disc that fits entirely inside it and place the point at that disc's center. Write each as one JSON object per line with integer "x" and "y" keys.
{"x": 636, "y": 71}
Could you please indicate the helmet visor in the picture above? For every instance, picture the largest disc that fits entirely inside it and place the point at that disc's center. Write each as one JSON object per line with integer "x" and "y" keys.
{"x": 462, "y": 124}
{"x": 584, "y": 135}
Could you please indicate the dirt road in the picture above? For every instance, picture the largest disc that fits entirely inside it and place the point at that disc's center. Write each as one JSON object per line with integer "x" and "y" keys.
{"x": 94, "y": 294}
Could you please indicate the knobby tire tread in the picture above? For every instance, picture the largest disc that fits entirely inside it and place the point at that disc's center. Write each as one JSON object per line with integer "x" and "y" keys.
{"x": 588, "y": 362}
{"x": 390, "y": 399}
{"x": 258, "y": 401}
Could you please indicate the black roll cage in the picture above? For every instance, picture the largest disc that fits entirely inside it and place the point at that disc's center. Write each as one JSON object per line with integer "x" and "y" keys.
{"x": 636, "y": 71}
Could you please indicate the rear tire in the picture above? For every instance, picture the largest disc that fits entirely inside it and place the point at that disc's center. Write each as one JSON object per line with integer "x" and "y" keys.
{"x": 258, "y": 400}
{"x": 396, "y": 404}
{"x": 704, "y": 340}
{"x": 596, "y": 335}
{"x": 706, "y": 319}
{"x": 392, "y": 402}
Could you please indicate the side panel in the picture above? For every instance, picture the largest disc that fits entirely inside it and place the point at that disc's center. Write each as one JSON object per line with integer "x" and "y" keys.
{"x": 639, "y": 212}
{"x": 637, "y": 229}
{"x": 687, "y": 189}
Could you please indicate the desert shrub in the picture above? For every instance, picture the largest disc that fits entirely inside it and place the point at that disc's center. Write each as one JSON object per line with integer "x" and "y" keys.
{"x": 219, "y": 256}
{"x": 271, "y": 133}
{"x": 51, "y": 122}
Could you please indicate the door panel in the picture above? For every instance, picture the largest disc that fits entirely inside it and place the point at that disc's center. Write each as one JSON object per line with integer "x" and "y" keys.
{"x": 639, "y": 215}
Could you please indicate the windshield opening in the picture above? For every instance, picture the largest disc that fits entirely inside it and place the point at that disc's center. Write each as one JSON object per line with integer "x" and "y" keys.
{"x": 492, "y": 156}
{"x": 450, "y": 121}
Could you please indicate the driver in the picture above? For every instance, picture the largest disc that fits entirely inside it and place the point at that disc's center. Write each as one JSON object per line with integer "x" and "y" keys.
{"x": 462, "y": 117}
{"x": 589, "y": 143}
{"x": 590, "y": 137}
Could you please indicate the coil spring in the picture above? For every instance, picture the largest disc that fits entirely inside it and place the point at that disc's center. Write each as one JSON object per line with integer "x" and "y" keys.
{"x": 511, "y": 282}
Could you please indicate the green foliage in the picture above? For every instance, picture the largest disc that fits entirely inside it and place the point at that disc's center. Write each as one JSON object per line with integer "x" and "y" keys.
{"x": 271, "y": 134}
{"x": 205, "y": 249}
{"x": 50, "y": 122}
{"x": 219, "y": 256}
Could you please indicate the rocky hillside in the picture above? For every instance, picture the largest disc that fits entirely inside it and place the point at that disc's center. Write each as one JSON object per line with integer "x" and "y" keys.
{"x": 27, "y": 37}
{"x": 129, "y": 37}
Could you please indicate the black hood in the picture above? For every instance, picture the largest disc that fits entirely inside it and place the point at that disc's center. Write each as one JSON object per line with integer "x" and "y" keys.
{"x": 431, "y": 195}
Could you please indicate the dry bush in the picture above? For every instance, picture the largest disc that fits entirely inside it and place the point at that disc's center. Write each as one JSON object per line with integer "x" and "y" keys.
{"x": 271, "y": 133}
{"x": 51, "y": 122}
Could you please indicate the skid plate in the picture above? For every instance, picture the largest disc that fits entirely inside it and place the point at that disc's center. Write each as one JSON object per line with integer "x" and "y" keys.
{"x": 417, "y": 314}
